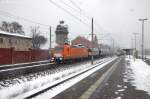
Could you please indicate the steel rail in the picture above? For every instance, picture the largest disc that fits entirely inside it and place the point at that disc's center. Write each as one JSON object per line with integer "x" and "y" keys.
{"x": 2, "y": 67}
{"x": 36, "y": 93}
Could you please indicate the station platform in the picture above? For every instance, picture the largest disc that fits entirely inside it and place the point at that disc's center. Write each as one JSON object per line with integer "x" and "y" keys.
{"x": 107, "y": 83}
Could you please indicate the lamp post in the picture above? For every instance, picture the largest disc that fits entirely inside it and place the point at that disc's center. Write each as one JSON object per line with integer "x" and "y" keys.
{"x": 142, "y": 46}
{"x": 135, "y": 35}
{"x": 92, "y": 58}
{"x": 132, "y": 45}
{"x": 135, "y": 52}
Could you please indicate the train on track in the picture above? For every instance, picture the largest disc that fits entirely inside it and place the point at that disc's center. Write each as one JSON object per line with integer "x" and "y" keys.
{"x": 68, "y": 52}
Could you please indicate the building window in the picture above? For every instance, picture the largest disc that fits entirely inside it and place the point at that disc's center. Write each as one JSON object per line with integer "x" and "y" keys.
{"x": 27, "y": 43}
{"x": 15, "y": 41}
{"x": 1, "y": 40}
{"x": 10, "y": 41}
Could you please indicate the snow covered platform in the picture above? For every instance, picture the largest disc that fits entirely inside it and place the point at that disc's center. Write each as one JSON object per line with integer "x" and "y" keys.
{"x": 42, "y": 80}
{"x": 126, "y": 79}
{"x": 129, "y": 81}
{"x": 86, "y": 87}
{"x": 112, "y": 78}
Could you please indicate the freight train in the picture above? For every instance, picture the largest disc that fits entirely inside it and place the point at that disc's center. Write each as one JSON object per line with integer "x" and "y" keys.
{"x": 76, "y": 52}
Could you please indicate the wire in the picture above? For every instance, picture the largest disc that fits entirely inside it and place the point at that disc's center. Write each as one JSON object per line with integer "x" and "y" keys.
{"x": 86, "y": 15}
{"x": 81, "y": 10}
{"x": 69, "y": 6}
{"x": 75, "y": 4}
{"x": 24, "y": 19}
{"x": 78, "y": 11}
{"x": 21, "y": 18}
{"x": 57, "y": 5}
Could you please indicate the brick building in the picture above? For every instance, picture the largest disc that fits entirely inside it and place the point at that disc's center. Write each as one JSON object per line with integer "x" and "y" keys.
{"x": 16, "y": 41}
{"x": 85, "y": 42}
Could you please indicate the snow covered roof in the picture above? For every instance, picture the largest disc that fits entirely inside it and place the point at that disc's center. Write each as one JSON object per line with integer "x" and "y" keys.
{"x": 14, "y": 34}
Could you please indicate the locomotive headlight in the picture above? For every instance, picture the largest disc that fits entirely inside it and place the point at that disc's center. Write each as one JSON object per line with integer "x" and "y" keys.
{"x": 60, "y": 58}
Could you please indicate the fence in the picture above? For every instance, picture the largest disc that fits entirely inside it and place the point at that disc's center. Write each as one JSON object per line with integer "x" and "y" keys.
{"x": 10, "y": 56}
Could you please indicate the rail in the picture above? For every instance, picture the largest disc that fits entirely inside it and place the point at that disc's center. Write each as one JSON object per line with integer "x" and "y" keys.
{"x": 46, "y": 88}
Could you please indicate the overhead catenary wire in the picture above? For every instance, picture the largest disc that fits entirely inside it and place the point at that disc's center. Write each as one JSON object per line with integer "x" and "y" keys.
{"x": 62, "y": 8}
{"x": 97, "y": 26}
{"x": 88, "y": 16}
{"x": 10, "y": 15}
{"x": 21, "y": 18}
{"x": 26, "y": 27}
{"x": 69, "y": 6}
{"x": 75, "y": 4}
{"x": 78, "y": 7}
{"x": 57, "y": 5}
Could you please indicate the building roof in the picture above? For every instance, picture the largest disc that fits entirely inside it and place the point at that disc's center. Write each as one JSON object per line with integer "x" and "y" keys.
{"x": 14, "y": 34}
{"x": 81, "y": 38}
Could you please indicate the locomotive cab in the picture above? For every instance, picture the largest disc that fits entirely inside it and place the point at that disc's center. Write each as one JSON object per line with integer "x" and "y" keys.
{"x": 58, "y": 54}
{"x": 61, "y": 53}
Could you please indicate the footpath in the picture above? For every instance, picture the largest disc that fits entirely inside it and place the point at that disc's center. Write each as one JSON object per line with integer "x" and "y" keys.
{"x": 116, "y": 86}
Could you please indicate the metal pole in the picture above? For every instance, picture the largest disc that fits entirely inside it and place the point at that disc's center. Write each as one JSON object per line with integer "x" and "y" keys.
{"x": 142, "y": 37}
{"x": 131, "y": 43}
{"x": 50, "y": 40}
{"x": 145, "y": 54}
{"x": 92, "y": 58}
{"x": 135, "y": 52}
{"x": 135, "y": 35}
{"x": 50, "y": 43}
{"x": 113, "y": 45}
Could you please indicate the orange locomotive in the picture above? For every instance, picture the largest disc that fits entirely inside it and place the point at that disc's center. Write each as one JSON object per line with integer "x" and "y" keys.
{"x": 67, "y": 52}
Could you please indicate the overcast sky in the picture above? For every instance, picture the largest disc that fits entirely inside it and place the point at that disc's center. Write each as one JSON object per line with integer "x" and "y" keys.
{"x": 117, "y": 17}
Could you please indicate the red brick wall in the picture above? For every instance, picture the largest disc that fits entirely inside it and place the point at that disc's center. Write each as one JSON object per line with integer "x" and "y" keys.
{"x": 5, "y": 56}
{"x": 21, "y": 56}
{"x": 9, "y": 56}
{"x": 38, "y": 55}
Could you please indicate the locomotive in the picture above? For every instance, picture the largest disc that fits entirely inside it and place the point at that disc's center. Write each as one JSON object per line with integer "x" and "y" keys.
{"x": 68, "y": 52}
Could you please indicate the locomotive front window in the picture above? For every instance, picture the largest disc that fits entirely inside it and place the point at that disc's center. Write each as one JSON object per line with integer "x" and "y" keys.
{"x": 58, "y": 49}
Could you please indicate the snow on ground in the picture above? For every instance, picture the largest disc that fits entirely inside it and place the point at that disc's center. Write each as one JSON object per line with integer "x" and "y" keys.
{"x": 58, "y": 89}
{"x": 148, "y": 56}
{"x": 119, "y": 91}
{"x": 30, "y": 77}
{"x": 138, "y": 74}
{"x": 23, "y": 87}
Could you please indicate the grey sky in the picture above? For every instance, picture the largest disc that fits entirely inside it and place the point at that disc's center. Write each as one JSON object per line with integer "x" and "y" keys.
{"x": 117, "y": 17}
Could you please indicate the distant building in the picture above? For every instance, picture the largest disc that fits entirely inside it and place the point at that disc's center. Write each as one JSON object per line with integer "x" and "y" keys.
{"x": 61, "y": 33}
{"x": 16, "y": 41}
{"x": 81, "y": 40}
{"x": 95, "y": 42}
{"x": 85, "y": 42}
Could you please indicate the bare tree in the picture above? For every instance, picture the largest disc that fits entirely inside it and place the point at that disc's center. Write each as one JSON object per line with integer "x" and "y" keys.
{"x": 5, "y": 26}
{"x": 37, "y": 39}
{"x": 13, "y": 27}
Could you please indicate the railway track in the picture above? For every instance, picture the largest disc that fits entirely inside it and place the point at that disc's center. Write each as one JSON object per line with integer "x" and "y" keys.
{"x": 43, "y": 89}
{"x": 15, "y": 70}
{"x": 11, "y": 66}
{"x": 147, "y": 61}
{"x": 7, "y": 71}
